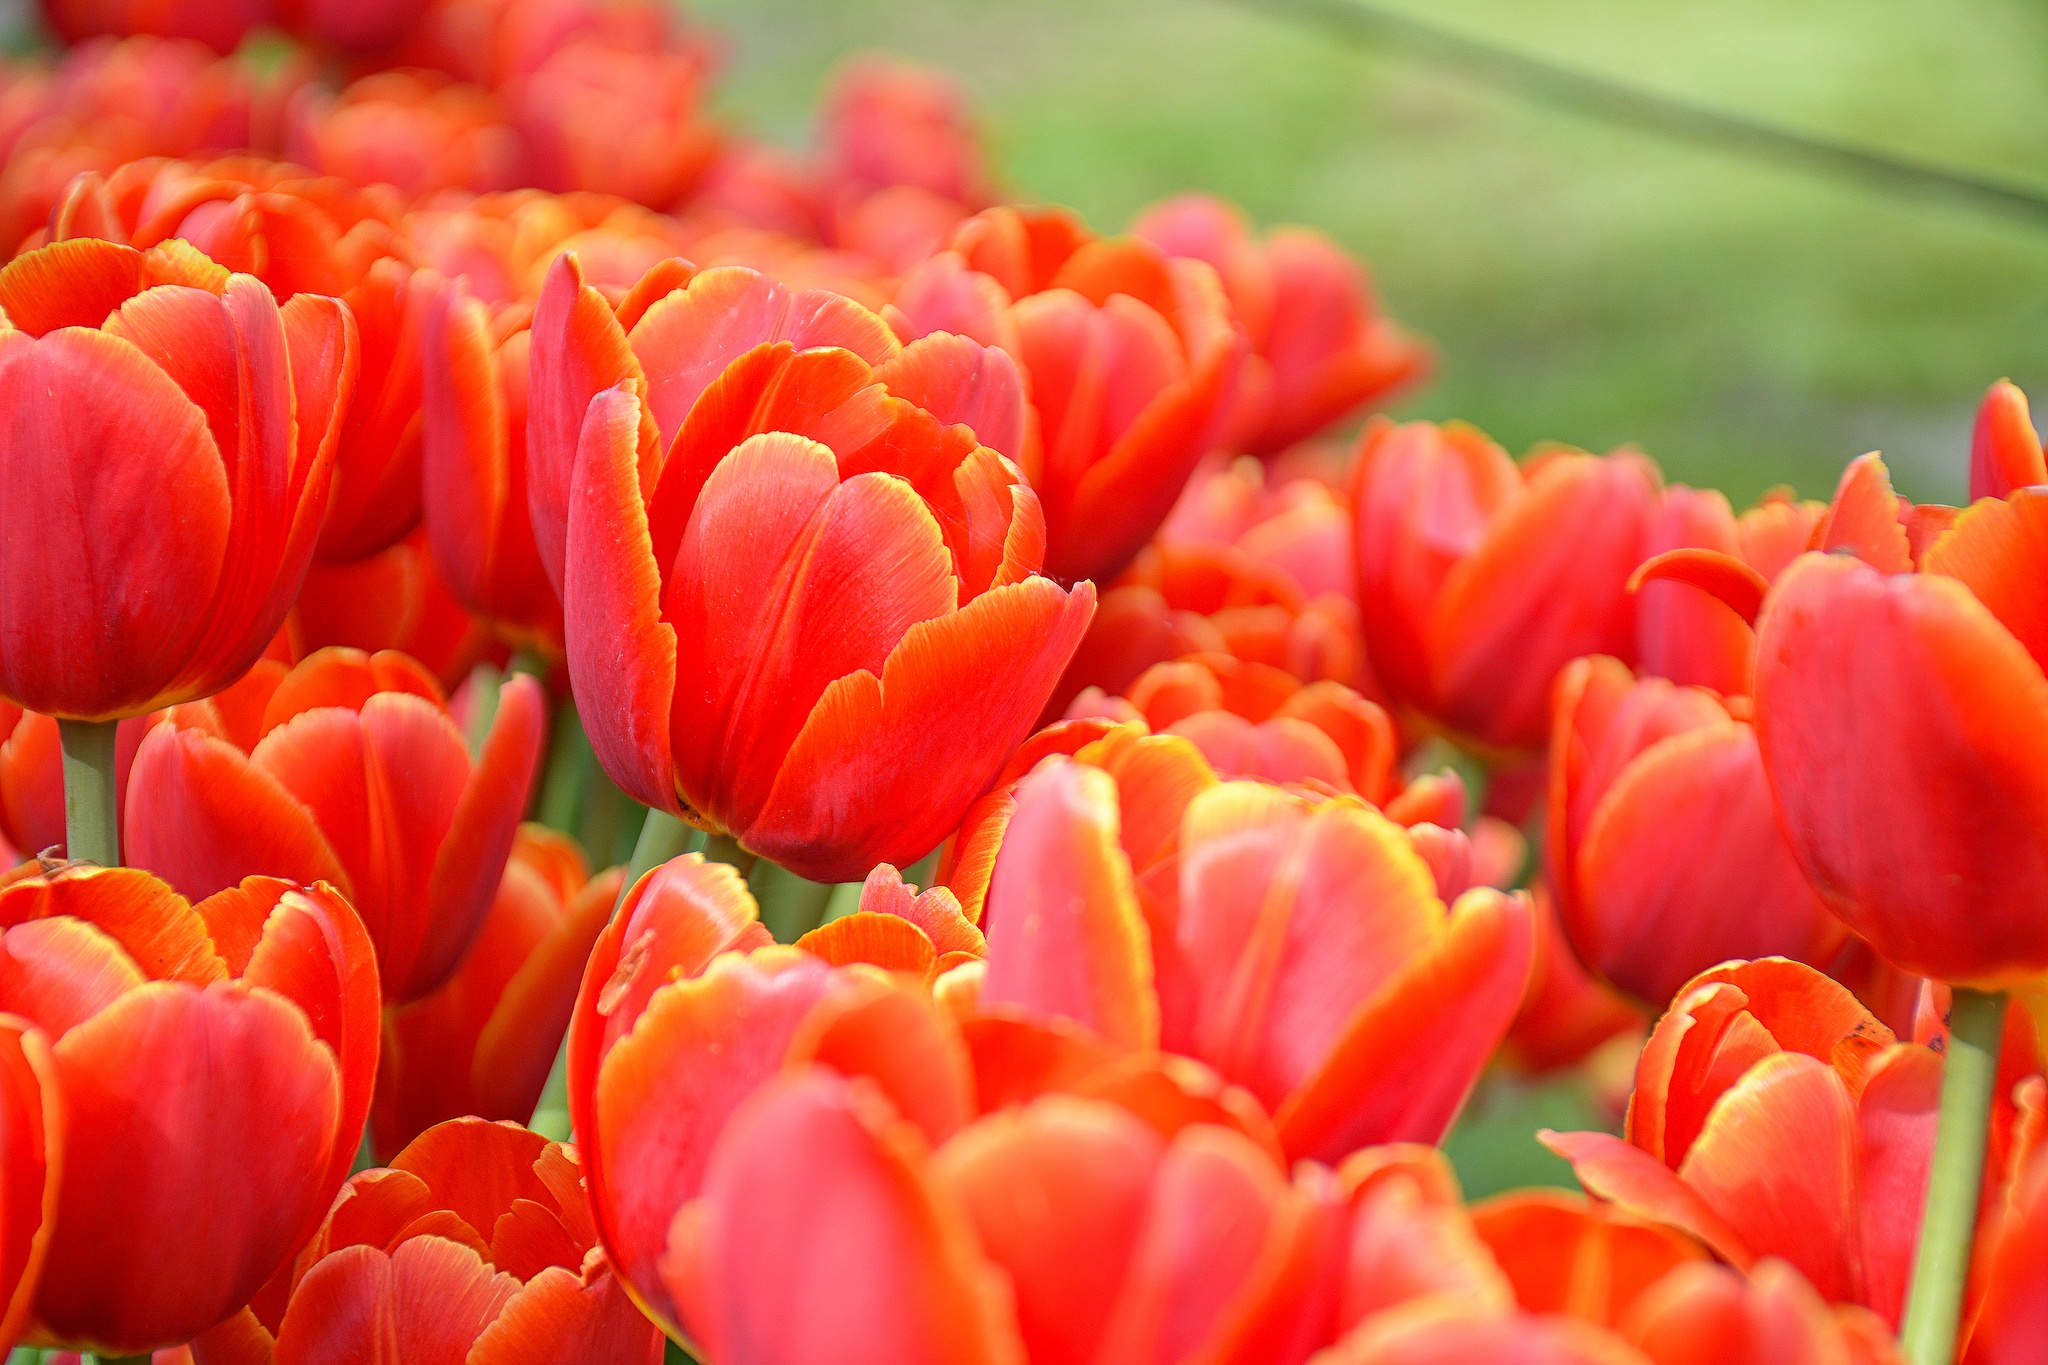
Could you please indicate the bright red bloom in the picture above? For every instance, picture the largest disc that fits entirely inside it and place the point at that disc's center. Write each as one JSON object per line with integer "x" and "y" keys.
{"x": 1131, "y": 359}
{"x": 896, "y": 926}
{"x": 1775, "y": 1116}
{"x": 888, "y": 124}
{"x": 31, "y": 1119}
{"x": 1321, "y": 348}
{"x": 1665, "y": 849}
{"x": 1302, "y": 949}
{"x": 393, "y": 600}
{"x": 220, "y": 24}
{"x": 359, "y": 778}
{"x": 349, "y": 25}
{"x": 482, "y": 1043}
{"x": 1478, "y": 580}
{"x": 475, "y": 1246}
{"x": 408, "y": 129}
{"x": 215, "y": 1065}
{"x": 2011, "y": 1314}
{"x": 188, "y": 421}
{"x": 1900, "y": 714}
{"x": 617, "y": 120}
{"x": 823, "y": 629}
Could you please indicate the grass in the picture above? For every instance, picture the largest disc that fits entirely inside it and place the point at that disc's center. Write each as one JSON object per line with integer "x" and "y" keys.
{"x": 1746, "y": 324}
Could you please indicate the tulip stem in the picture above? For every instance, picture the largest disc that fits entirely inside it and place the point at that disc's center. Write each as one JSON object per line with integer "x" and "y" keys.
{"x": 1948, "y": 1228}
{"x": 662, "y": 837}
{"x": 92, "y": 800}
{"x": 723, "y": 848}
{"x": 569, "y": 762}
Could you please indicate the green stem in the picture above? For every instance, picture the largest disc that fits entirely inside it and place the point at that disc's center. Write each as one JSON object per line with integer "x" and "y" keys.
{"x": 790, "y": 906}
{"x": 570, "y": 760}
{"x": 662, "y": 837}
{"x": 723, "y": 848}
{"x": 92, "y": 801}
{"x": 529, "y": 662}
{"x": 485, "y": 681}
{"x": 1948, "y": 1229}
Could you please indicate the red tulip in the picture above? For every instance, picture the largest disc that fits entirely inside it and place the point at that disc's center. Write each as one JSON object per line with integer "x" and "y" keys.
{"x": 2013, "y": 1275}
{"x": 475, "y": 1246}
{"x": 502, "y": 245}
{"x": 617, "y": 119}
{"x": 409, "y": 130}
{"x": 393, "y": 600}
{"x": 1774, "y": 1116}
{"x": 31, "y": 1120}
{"x": 483, "y": 1041}
{"x": 1299, "y": 948}
{"x": 1567, "y": 1014}
{"x": 474, "y": 460}
{"x": 1131, "y": 359}
{"x": 897, "y": 927}
{"x": 220, "y": 24}
{"x": 1321, "y": 348}
{"x": 494, "y": 42}
{"x": 1665, "y": 849}
{"x": 359, "y": 778}
{"x": 1479, "y": 580}
{"x": 1897, "y": 710}
{"x": 214, "y": 1064}
{"x": 118, "y": 361}
{"x": 2005, "y": 450}
{"x": 349, "y": 25}
{"x": 888, "y": 124}
{"x": 913, "y": 639}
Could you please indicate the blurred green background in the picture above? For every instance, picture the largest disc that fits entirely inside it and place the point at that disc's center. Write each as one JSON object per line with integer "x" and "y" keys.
{"x": 1745, "y": 324}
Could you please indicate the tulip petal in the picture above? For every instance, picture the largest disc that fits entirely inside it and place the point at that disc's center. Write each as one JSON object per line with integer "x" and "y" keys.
{"x": 1636, "y": 1181}
{"x": 963, "y": 381}
{"x": 886, "y": 941}
{"x": 558, "y": 1317}
{"x": 1895, "y": 1120}
{"x": 161, "y": 933}
{"x": 1564, "y": 1255}
{"x": 57, "y": 973}
{"x": 896, "y": 1036}
{"x": 2000, "y": 549}
{"x": 31, "y": 1163}
{"x": 2005, "y": 450}
{"x": 363, "y": 1305}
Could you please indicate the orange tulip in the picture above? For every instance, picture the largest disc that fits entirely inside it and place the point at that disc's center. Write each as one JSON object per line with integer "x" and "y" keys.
{"x": 1665, "y": 849}
{"x": 897, "y": 927}
{"x": 214, "y": 1064}
{"x": 31, "y": 1118}
{"x": 2012, "y": 1267}
{"x": 349, "y": 25}
{"x": 889, "y": 124}
{"x": 409, "y": 130}
{"x": 1478, "y": 580}
{"x": 483, "y": 1041}
{"x": 1896, "y": 709}
{"x": 358, "y": 778}
{"x": 1775, "y": 1116}
{"x": 617, "y": 119}
{"x": 397, "y": 600}
{"x": 475, "y": 1245}
{"x": 1131, "y": 359}
{"x": 2005, "y": 450}
{"x": 1567, "y": 1014}
{"x": 141, "y": 382}
{"x": 1300, "y": 948}
{"x": 1321, "y": 348}
{"x": 803, "y": 483}
{"x": 502, "y": 245}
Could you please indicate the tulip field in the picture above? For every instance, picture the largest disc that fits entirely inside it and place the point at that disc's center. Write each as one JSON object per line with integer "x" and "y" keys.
{"x": 624, "y": 742}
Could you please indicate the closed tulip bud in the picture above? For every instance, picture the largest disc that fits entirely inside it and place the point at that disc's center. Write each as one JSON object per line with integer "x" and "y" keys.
{"x": 800, "y": 475}
{"x": 359, "y": 778}
{"x": 214, "y": 1064}
{"x": 1478, "y": 579}
{"x": 140, "y": 382}
{"x": 476, "y": 1243}
{"x": 1665, "y": 849}
{"x": 483, "y": 1041}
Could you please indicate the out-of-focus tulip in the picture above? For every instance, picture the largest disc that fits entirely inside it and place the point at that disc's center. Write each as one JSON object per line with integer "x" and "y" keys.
{"x": 1300, "y": 948}
{"x": 410, "y": 130}
{"x": 358, "y": 778}
{"x": 898, "y": 927}
{"x": 32, "y": 777}
{"x": 483, "y": 1042}
{"x": 296, "y": 233}
{"x": 220, "y": 24}
{"x": 1131, "y": 358}
{"x": 828, "y": 630}
{"x": 2005, "y": 450}
{"x": 495, "y": 42}
{"x": 502, "y": 245}
{"x": 887, "y": 124}
{"x": 474, "y": 464}
{"x": 1478, "y": 579}
{"x": 1321, "y": 348}
{"x": 1567, "y": 1014}
{"x": 31, "y": 1145}
{"x": 2012, "y": 1313}
{"x": 189, "y": 422}
{"x": 214, "y": 1064}
{"x": 616, "y": 120}
{"x": 1899, "y": 714}
{"x": 396, "y": 600}
{"x": 474, "y": 1245}
{"x": 1665, "y": 850}
{"x": 348, "y": 25}
{"x": 1775, "y": 1116}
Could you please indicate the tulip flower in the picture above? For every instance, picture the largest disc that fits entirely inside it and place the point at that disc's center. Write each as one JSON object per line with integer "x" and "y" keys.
{"x": 474, "y": 1245}
{"x": 409, "y": 130}
{"x": 886, "y": 124}
{"x": 214, "y": 1067}
{"x": 1131, "y": 360}
{"x": 348, "y": 25}
{"x": 896, "y": 926}
{"x": 2014, "y": 1275}
{"x": 913, "y": 640}
{"x": 117, "y": 360}
{"x": 1568, "y": 1014}
{"x": 1665, "y": 850}
{"x": 1321, "y": 348}
{"x": 1478, "y": 580}
{"x": 502, "y": 245}
{"x": 1300, "y": 948}
{"x": 360, "y": 779}
{"x": 1775, "y": 1116}
{"x": 483, "y": 1042}
{"x": 2005, "y": 450}
{"x": 574, "y": 109}
{"x": 474, "y": 460}
{"x": 220, "y": 24}
{"x": 397, "y": 600}
{"x": 31, "y": 1116}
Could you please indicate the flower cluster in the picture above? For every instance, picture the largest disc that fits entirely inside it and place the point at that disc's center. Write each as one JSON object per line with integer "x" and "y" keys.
{"x": 1100, "y": 795}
